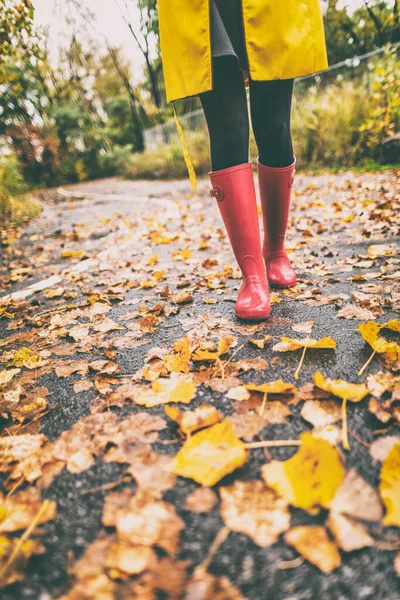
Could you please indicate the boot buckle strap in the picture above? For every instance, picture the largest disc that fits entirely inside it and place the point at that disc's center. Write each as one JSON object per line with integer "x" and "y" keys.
{"x": 217, "y": 192}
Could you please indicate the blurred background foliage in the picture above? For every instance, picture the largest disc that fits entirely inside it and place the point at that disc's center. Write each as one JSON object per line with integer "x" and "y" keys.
{"x": 83, "y": 117}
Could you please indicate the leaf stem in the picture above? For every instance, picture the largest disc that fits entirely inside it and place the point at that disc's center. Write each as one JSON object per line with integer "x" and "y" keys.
{"x": 361, "y": 371}
{"x": 345, "y": 438}
{"x": 219, "y": 539}
{"x": 262, "y": 407}
{"x": 272, "y": 444}
{"x": 296, "y": 375}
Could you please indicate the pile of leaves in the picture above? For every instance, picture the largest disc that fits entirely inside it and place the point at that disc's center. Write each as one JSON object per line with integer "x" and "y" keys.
{"x": 138, "y": 336}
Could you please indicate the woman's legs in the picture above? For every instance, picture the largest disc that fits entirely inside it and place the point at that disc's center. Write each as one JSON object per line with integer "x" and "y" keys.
{"x": 270, "y": 112}
{"x": 225, "y": 109}
{"x": 270, "y": 103}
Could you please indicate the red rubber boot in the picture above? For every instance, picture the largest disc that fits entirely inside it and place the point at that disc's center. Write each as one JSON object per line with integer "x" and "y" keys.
{"x": 275, "y": 191}
{"x": 234, "y": 190}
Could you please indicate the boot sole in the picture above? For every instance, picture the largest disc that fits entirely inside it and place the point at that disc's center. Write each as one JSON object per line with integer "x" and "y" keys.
{"x": 254, "y": 317}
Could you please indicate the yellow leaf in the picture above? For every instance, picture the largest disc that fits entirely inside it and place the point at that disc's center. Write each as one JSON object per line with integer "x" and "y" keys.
{"x": 193, "y": 420}
{"x": 178, "y": 388}
{"x": 224, "y": 345}
{"x": 153, "y": 260}
{"x": 389, "y": 486}
{"x": 312, "y": 542}
{"x": 211, "y": 454}
{"x": 347, "y": 391}
{"x": 179, "y": 362}
{"x": 25, "y": 357}
{"x": 370, "y": 333}
{"x": 393, "y": 324}
{"x": 72, "y": 254}
{"x": 261, "y": 343}
{"x": 273, "y": 387}
{"x": 311, "y": 477}
{"x": 286, "y": 344}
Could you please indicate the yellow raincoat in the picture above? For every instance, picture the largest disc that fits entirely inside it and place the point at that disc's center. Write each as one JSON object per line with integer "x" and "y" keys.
{"x": 284, "y": 39}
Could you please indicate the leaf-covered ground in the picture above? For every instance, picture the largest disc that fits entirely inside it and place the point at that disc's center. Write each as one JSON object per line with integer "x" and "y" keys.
{"x": 155, "y": 447}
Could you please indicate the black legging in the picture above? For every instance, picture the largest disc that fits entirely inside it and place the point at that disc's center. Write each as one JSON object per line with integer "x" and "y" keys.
{"x": 225, "y": 109}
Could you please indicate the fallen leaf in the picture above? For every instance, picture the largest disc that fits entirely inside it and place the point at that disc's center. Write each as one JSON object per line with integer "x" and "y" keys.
{"x": 357, "y": 498}
{"x": 314, "y": 544}
{"x": 204, "y": 586}
{"x": 255, "y": 510}
{"x": 201, "y": 500}
{"x": 209, "y": 455}
{"x": 18, "y": 511}
{"x": 321, "y": 412}
{"x": 288, "y": 344}
{"x": 177, "y": 388}
{"x": 260, "y": 343}
{"x": 191, "y": 421}
{"x": 304, "y": 327}
{"x": 349, "y": 534}
{"x": 224, "y": 345}
{"x": 389, "y": 486}
{"x": 353, "y": 311}
{"x": 380, "y": 449}
{"x": 347, "y": 391}
{"x": 179, "y": 362}
{"x": 143, "y": 521}
{"x": 302, "y": 480}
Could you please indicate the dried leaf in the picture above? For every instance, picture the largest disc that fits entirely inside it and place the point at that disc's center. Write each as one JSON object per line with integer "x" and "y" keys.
{"x": 179, "y": 362}
{"x": 255, "y": 510}
{"x": 18, "y": 511}
{"x": 382, "y": 446}
{"x": 260, "y": 343}
{"x": 321, "y": 412}
{"x": 201, "y": 500}
{"x": 288, "y": 344}
{"x": 204, "y": 586}
{"x": 224, "y": 345}
{"x": 349, "y": 534}
{"x": 191, "y": 421}
{"x": 143, "y": 521}
{"x": 314, "y": 544}
{"x": 304, "y": 327}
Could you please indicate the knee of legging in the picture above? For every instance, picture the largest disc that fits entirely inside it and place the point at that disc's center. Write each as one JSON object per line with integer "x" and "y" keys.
{"x": 274, "y": 132}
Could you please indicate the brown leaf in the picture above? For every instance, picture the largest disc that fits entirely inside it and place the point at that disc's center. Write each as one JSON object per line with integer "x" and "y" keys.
{"x": 193, "y": 420}
{"x": 321, "y": 412}
{"x": 348, "y": 534}
{"x": 255, "y": 510}
{"x": 314, "y": 544}
{"x": 19, "y": 510}
{"x": 201, "y": 500}
{"x": 145, "y": 521}
{"x": 204, "y": 586}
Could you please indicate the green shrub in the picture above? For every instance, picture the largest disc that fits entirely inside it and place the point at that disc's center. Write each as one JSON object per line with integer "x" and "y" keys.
{"x": 166, "y": 161}
{"x": 382, "y": 119}
{"x": 15, "y": 205}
